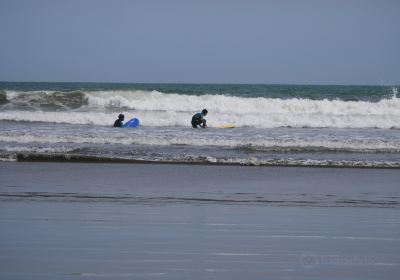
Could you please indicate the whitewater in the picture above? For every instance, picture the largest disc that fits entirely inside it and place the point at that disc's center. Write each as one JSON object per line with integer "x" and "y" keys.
{"x": 275, "y": 125}
{"x": 154, "y": 108}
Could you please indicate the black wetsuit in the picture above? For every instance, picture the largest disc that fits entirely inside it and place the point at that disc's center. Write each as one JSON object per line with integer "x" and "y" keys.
{"x": 118, "y": 123}
{"x": 197, "y": 119}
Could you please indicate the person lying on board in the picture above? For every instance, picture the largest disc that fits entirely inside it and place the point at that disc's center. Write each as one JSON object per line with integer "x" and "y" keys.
{"x": 119, "y": 121}
{"x": 198, "y": 119}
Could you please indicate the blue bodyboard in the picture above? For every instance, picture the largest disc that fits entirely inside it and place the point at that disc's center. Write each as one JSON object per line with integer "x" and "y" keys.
{"x": 132, "y": 123}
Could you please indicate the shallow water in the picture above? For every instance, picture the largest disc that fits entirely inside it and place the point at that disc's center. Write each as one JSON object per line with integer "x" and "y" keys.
{"x": 274, "y": 124}
{"x": 246, "y": 146}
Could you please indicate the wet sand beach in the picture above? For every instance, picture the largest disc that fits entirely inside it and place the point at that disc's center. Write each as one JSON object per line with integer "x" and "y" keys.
{"x": 134, "y": 221}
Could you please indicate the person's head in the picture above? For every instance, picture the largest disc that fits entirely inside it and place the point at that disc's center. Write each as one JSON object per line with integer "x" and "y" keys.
{"x": 204, "y": 112}
{"x": 121, "y": 117}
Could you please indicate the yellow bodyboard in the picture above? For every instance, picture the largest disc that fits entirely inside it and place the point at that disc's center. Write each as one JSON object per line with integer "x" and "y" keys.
{"x": 225, "y": 126}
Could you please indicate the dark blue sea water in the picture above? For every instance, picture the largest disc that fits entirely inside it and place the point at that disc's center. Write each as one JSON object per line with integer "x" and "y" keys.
{"x": 274, "y": 124}
{"x": 313, "y": 92}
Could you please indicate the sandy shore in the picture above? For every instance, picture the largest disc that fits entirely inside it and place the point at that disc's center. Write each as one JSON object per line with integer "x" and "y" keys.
{"x": 118, "y": 221}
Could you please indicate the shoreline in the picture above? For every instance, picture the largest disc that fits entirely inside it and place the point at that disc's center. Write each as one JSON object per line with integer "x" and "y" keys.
{"x": 274, "y": 163}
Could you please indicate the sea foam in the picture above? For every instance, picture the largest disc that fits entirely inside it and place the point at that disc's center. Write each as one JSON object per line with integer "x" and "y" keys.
{"x": 155, "y": 108}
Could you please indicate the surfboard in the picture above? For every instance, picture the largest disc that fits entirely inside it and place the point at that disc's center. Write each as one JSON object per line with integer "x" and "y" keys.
{"x": 132, "y": 123}
{"x": 225, "y": 126}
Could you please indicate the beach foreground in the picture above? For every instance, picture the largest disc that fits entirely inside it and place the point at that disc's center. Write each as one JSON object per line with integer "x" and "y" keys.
{"x": 149, "y": 221}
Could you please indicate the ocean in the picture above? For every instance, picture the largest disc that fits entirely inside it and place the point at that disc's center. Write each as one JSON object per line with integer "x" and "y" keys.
{"x": 300, "y": 125}
{"x": 207, "y": 204}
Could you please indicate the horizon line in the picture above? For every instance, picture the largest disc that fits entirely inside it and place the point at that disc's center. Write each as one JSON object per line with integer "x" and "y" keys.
{"x": 204, "y": 83}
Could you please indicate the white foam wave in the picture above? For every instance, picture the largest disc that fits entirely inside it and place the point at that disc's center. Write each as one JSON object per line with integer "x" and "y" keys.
{"x": 157, "y": 101}
{"x": 7, "y": 158}
{"x": 257, "y": 144}
{"x": 394, "y": 91}
{"x": 252, "y": 161}
{"x": 159, "y": 109}
{"x": 60, "y": 117}
{"x": 35, "y": 149}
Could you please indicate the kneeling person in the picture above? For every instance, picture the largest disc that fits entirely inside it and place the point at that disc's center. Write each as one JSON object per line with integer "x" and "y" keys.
{"x": 198, "y": 119}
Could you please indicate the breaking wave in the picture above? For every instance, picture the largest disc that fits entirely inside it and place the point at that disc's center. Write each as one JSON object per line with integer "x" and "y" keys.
{"x": 155, "y": 108}
{"x": 261, "y": 144}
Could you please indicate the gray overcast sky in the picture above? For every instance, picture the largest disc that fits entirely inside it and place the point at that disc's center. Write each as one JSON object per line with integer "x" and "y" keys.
{"x": 303, "y": 42}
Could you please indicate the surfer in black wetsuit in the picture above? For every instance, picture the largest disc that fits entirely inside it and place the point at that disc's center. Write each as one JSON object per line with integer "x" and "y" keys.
{"x": 119, "y": 122}
{"x": 198, "y": 119}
